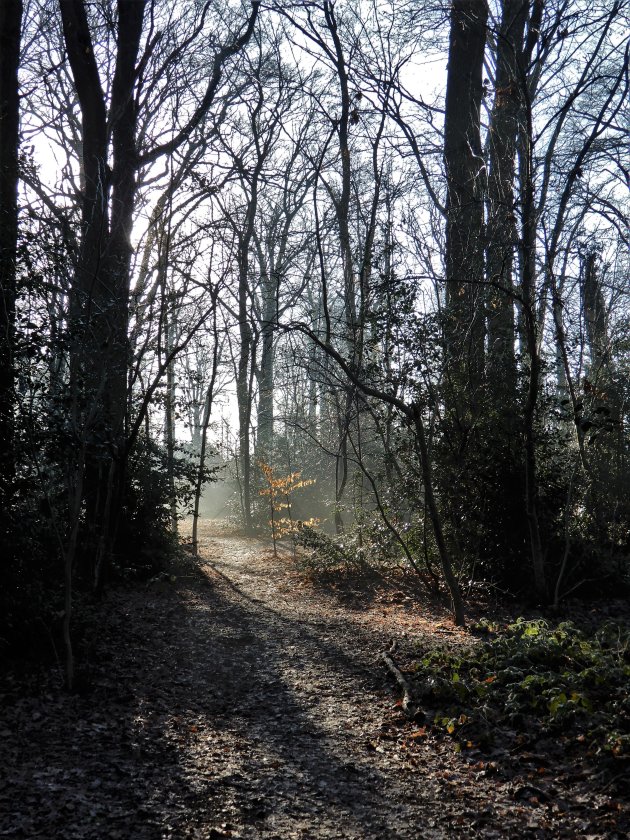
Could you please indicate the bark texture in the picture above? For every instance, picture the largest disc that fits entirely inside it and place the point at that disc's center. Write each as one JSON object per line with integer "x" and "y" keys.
{"x": 501, "y": 231}
{"x": 100, "y": 294}
{"x": 465, "y": 180}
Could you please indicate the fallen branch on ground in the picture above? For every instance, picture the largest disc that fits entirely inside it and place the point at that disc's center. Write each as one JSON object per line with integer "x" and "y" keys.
{"x": 408, "y": 706}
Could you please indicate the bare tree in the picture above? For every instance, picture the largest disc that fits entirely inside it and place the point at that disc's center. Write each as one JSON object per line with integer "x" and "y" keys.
{"x": 100, "y": 304}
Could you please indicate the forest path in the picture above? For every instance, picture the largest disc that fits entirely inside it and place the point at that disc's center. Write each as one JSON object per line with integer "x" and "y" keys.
{"x": 294, "y": 679}
{"x": 238, "y": 700}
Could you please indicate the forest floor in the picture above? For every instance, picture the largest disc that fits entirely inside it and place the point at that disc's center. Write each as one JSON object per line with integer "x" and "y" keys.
{"x": 239, "y": 698}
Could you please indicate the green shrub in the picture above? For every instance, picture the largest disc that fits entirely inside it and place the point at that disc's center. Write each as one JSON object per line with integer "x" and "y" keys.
{"x": 322, "y": 551}
{"x": 145, "y": 541}
{"x": 537, "y": 679}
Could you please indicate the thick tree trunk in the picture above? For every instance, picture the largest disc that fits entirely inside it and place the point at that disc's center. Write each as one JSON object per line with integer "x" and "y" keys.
{"x": 463, "y": 316}
{"x": 10, "y": 24}
{"x": 465, "y": 180}
{"x": 501, "y": 228}
{"x": 123, "y": 121}
{"x": 90, "y": 299}
{"x": 99, "y": 357}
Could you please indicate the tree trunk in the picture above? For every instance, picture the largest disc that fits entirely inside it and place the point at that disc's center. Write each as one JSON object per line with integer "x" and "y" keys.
{"x": 10, "y": 24}
{"x": 595, "y": 320}
{"x": 99, "y": 357}
{"x": 169, "y": 415}
{"x": 353, "y": 326}
{"x": 90, "y": 300}
{"x": 463, "y": 316}
{"x": 122, "y": 123}
{"x": 465, "y": 180}
{"x": 246, "y": 360}
{"x": 528, "y": 286}
{"x": 342, "y": 204}
{"x": 243, "y": 389}
{"x": 207, "y": 413}
{"x": 264, "y": 443}
{"x": 501, "y": 228}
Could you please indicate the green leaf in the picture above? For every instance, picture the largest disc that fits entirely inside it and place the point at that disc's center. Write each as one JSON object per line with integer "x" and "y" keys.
{"x": 557, "y": 703}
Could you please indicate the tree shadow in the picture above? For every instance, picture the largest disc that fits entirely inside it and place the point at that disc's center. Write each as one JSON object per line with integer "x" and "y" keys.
{"x": 207, "y": 711}
{"x": 255, "y": 677}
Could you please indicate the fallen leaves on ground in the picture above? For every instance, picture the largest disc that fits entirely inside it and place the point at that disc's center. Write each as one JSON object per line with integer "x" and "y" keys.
{"x": 232, "y": 702}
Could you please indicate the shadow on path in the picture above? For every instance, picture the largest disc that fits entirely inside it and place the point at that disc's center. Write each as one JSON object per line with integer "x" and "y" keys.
{"x": 216, "y": 710}
{"x": 294, "y": 690}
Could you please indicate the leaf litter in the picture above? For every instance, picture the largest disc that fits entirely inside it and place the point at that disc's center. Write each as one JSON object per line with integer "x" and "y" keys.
{"x": 241, "y": 700}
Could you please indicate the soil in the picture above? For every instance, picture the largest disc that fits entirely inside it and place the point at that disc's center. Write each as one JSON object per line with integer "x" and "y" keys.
{"x": 237, "y": 698}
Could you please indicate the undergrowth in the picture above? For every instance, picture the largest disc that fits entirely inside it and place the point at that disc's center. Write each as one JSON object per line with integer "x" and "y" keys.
{"x": 357, "y": 549}
{"x": 534, "y": 681}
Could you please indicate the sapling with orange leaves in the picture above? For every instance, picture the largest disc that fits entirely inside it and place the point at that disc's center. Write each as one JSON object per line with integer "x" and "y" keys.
{"x": 279, "y": 490}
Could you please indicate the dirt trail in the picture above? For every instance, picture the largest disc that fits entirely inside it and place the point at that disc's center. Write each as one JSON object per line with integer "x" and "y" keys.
{"x": 299, "y": 682}
{"x": 237, "y": 701}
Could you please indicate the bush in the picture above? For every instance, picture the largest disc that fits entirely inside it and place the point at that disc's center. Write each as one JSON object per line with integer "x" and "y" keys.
{"x": 536, "y": 679}
{"x": 322, "y": 552}
{"x": 30, "y": 578}
{"x": 145, "y": 540}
